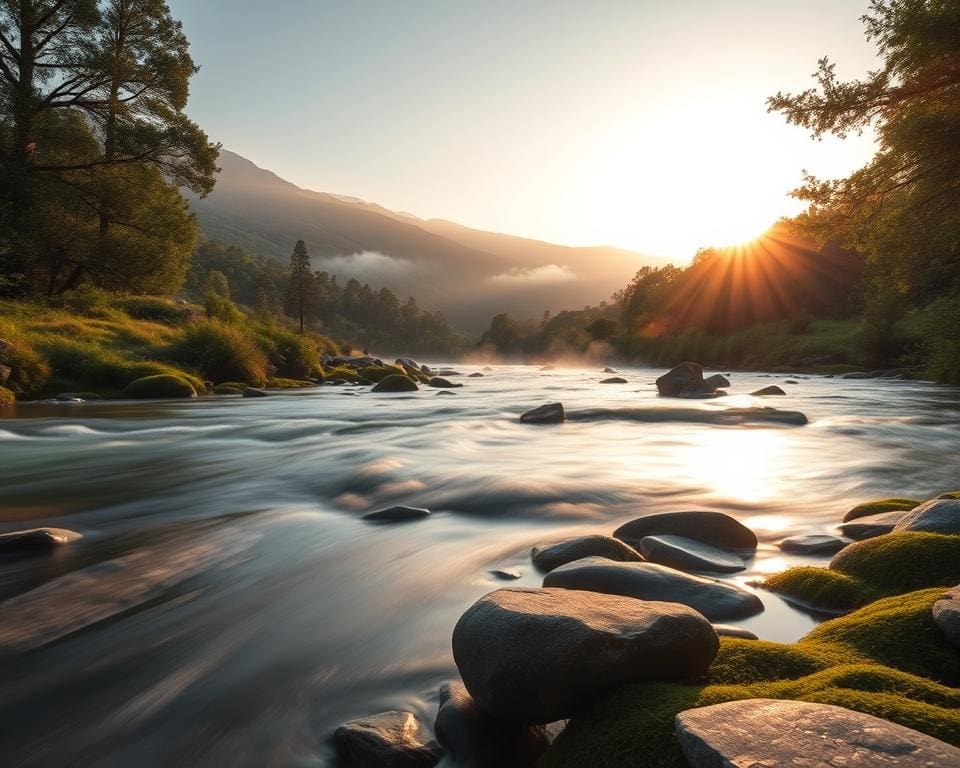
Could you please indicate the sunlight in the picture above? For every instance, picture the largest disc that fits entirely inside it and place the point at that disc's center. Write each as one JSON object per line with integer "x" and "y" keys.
{"x": 738, "y": 464}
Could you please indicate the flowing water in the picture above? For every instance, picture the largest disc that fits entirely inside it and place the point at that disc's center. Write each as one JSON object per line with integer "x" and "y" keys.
{"x": 228, "y": 607}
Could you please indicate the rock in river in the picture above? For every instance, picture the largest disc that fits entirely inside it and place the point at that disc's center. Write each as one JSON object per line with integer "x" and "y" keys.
{"x": 689, "y": 554}
{"x": 717, "y": 381}
{"x": 442, "y": 383}
{"x": 717, "y": 600}
{"x": 396, "y": 383}
{"x": 685, "y": 380}
{"x": 36, "y": 540}
{"x": 715, "y": 528}
{"x": 769, "y": 732}
{"x": 872, "y": 525}
{"x": 935, "y": 516}
{"x": 387, "y": 740}
{"x": 254, "y": 392}
{"x": 813, "y": 544}
{"x": 546, "y": 557}
{"x": 540, "y": 655}
{"x": 773, "y": 389}
{"x": 397, "y": 514}
{"x": 551, "y": 413}
{"x": 614, "y": 380}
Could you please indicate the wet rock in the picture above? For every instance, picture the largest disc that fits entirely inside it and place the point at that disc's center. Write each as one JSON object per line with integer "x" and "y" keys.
{"x": 159, "y": 387}
{"x": 407, "y": 362}
{"x": 546, "y": 557}
{"x": 473, "y": 739}
{"x": 714, "y": 528}
{"x": 506, "y": 574}
{"x": 868, "y": 526}
{"x": 727, "y": 630}
{"x": 773, "y": 389}
{"x": 446, "y": 392}
{"x": 768, "y": 732}
{"x": 946, "y": 615}
{"x": 254, "y": 392}
{"x": 609, "y": 370}
{"x": 689, "y": 554}
{"x": 364, "y": 361}
{"x": 36, "y": 540}
{"x": 717, "y": 381}
{"x": 442, "y": 383}
{"x": 813, "y": 544}
{"x": 552, "y": 413}
{"x": 396, "y": 383}
{"x": 717, "y": 600}
{"x": 475, "y": 375}
{"x": 487, "y": 368}
{"x": 790, "y": 381}
{"x": 398, "y": 514}
{"x": 449, "y": 372}
{"x": 856, "y": 375}
{"x": 387, "y": 740}
{"x": 540, "y": 655}
{"x": 935, "y": 516}
{"x": 685, "y": 380}
{"x": 614, "y": 380}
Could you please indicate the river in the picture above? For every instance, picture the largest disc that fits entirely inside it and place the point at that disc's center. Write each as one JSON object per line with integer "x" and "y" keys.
{"x": 228, "y": 607}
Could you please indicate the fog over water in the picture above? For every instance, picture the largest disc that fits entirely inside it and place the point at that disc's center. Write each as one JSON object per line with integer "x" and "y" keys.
{"x": 228, "y": 606}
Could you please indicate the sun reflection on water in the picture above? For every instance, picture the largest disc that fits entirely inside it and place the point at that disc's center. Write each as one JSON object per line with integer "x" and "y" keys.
{"x": 738, "y": 464}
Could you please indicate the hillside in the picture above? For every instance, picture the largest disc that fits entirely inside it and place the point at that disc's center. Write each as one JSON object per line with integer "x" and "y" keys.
{"x": 468, "y": 274}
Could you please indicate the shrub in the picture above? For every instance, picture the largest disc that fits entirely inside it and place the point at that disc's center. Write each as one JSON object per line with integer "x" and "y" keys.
{"x": 221, "y": 308}
{"x": 155, "y": 309}
{"x": 941, "y": 331}
{"x": 220, "y": 352}
{"x": 161, "y": 386}
{"x": 6, "y": 397}
{"x": 29, "y": 372}
{"x": 293, "y": 356}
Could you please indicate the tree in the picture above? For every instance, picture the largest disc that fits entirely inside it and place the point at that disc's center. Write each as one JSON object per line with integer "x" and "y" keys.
{"x": 299, "y": 279}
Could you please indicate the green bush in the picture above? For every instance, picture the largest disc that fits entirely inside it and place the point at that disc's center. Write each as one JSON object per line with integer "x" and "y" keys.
{"x": 941, "y": 333}
{"x": 221, "y": 308}
{"x": 155, "y": 308}
{"x": 29, "y": 372}
{"x": 220, "y": 352}
{"x": 293, "y": 356}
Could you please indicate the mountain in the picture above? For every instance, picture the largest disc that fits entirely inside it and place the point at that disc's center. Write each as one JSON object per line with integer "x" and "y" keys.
{"x": 468, "y": 274}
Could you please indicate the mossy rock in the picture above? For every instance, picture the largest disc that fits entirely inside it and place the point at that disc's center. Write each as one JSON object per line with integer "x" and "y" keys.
{"x": 376, "y": 373}
{"x": 282, "y": 383}
{"x": 160, "y": 386}
{"x": 880, "y": 505}
{"x": 396, "y": 383}
{"x": 950, "y": 495}
{"x": 229, "y": 388}
{"x": 7, "y": 397}
{"x": 820, "y": 589}
{"x": 343, "y": 373}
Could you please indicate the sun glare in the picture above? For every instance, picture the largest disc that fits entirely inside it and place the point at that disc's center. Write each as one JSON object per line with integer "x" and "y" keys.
{"x": 738, "y": 464}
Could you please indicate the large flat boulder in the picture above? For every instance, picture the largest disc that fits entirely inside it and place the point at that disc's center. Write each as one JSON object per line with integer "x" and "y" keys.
{"x": 813, "y": 544}
{"x": 935, "y": 516}
{"x": 717, "y": 600}
{"x": 689, "y": 554}
{"x": 546, "y": 557}
{"x": 387, "y": 740}
{"x": 785, "y": 734}
{"x": 714, "y": 528}
{"x": 541, "y": 655}
{"x": 870, "y": 526}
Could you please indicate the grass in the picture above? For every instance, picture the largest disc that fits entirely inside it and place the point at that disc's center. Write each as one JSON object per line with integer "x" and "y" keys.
{"x": 221, "y": 352}
{"x": 7, "y": 397}
{"x": 160, "y": 387}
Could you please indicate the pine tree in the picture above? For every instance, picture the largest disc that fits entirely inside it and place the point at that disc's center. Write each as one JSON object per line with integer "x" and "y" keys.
{"x": 299, "y": 278}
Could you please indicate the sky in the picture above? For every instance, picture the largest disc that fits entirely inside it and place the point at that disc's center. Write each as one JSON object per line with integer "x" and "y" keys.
{"x": 637, "y": 123}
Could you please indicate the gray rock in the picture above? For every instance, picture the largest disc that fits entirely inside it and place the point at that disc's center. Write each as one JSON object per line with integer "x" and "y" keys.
{"x": 773, "y": 389}
{"x": 717, "y": 600}
{"x": 475, "y": 375}
{"x": 540, "y": 655}
{"x": 406, "y": 362}
{"x": 551, "y": 413}
{"x": 813, "y": 544}
{"x": 684, "y": 380}
{"x": 715, "y": 528}
{"x": 946, "y": 615}
{"x": 717, "y": 381}
{"x": 36, "y": 540}
{"x": 397, "y": 514}
{"x": 473, "y": 739}
{"x": 614, "y": 380}
{"x": 387, "y": 740}
{"x": 868, "y": 526}
{"x": 609, "y": 370}
{"x": 689, "y": 554}
{"x": 506, "y": 574}
{"x": 446, "y": 392}
{"x": 935, "y": 516}
{"x": 254, "y": 392}
{"x": 395, "y": 382}
{"x": 726, "y": 630}
{"x": 768, "y": 732}
{"x": 546, "y": 557}
{"x": 442, "y": 383}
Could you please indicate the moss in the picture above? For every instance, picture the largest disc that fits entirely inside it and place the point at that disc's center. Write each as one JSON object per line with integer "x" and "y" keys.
{"x": 343, "y": 373}
{"x": 820, "y": 589}
{"x": 740, "y": 661}
{"x": 281, "y": 383}
{"x": 396, "y": 383}
{"x": 878, "y": 506}
{"x": 7, "y": 397}
{"x": 902, "y": 562}
{"x": 375, "y": 373}
{"x": 950, "y": 495}
{"x": 160, "y": 387}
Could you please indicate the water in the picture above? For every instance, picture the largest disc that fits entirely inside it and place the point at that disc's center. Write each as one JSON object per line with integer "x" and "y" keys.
{"x": 227, "y": 606}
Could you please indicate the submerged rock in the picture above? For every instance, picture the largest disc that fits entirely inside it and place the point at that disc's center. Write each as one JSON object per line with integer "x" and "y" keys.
{"x": 685, "y": 380}
{"x": 813, "y": 544}
{"x": 446, "y": 392}
{"x": 396, "y": 383}
{"x": 442, "y": 383}
{"x": 714, "y": 528}
{"x": 769, "y": 732}
{"x": 717, "y": 600}
{"x": 872, "y": 525}
{"x": 773, "y": 389}
{"x": 717, "y": 381}
{"x": 397, "y": 514}
{"x": 540, "y": 655}
{"x": 36, "y": 540}
{"x": 935, "y": 516}
{"x": 552, "y": 413}
{"x": 946, "y": 615}
{"x": 387, "y": 740}
{"x": 689, "y": 554}
{"x": 506, "y": 574}
{"x": 475, "y": 375}
{"x": 546, "y": 557}
{"x": 254, "y": 392}
{"x": 614, "y": 380}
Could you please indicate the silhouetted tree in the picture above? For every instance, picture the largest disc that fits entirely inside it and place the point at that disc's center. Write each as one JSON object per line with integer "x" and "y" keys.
{"x": 299, "y": 280}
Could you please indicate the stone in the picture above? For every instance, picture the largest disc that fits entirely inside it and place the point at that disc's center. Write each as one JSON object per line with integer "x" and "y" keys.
{"x": 934, "y": 516}
{"x": 717, "y": 600}
{"x": 727, "y": 630}
{"x": 506, "y": 574}
{"x": 442, "y": 383}
{"x": 946, "y": 615}
{"x": 868, "y": 526}
{"x": 475, "y": 375}
{"x": 813, "y": 544}
{"x": 717, "y": 381}
{"x": 397, "y": 514}
{"x": 539, "y": 655}
{"x": 856, "y": 375}
{"x": 475, "y": 740}
{"x": 395, "y": 383}
{"x": 769, "y": 732}
{"x": 552, "y": 413}
{"x": 159, "y": 387}
{"x": 790, "y": 381}
{"x": 773, "y": 389}
{"x": 689, "y": 554}
{"x": 546, "y": 557}
{"x": 684, "y": 380}
{"x": 609, "y": 370}
{"x": 446, "y": 392}
{"x": 715, "y": 528}
{"x": 614, "y": 380}
{"x": 254, "y": 392}
{"x": 36, "y": 540}
{"x": 407, "y": 362}
{"x": 387, "y": 740}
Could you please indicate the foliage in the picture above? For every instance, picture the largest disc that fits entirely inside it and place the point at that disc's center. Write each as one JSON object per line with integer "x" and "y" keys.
{"x": 290, "y": 354}
{"x": 220, "y": 352}
{"x": 7, "y": 397}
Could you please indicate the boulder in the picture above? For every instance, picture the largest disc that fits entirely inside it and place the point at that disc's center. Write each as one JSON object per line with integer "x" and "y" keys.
{"x": 714, "y": 528}
{"x": 935, "y": 516}
{"x": 473, "y": 739}
{"x": 36, "y": 540}
{"x": 717, "y": 381}
{"x": 387, "y": 740}
{"x": 717, "y": 600}
{"x": 551, "y": 413}
{"x": 407, "y": 362}
{"x": 813, "y": 544}
{"x": 868, "y": 526}
{"x": 946, "y": 615}
{"x": 159, "y": 387}
{"x": 727, "y": 630}
{"x": 539, "y": 655}
{"x": 546, "y": 557}
{"x": 442, "y": 383}
{"x": 684, "y": 380}
{"x": 396, "y": 383}
{"x": 769, "y": 732}
{"x": 773, "y": 389}
{"x": 475, "y": 375}
{"x": 398, "y": 514}
{"x": 614, "y": 380}
{"x": 689, "y": 554}
{"x": 254, "y": 392}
